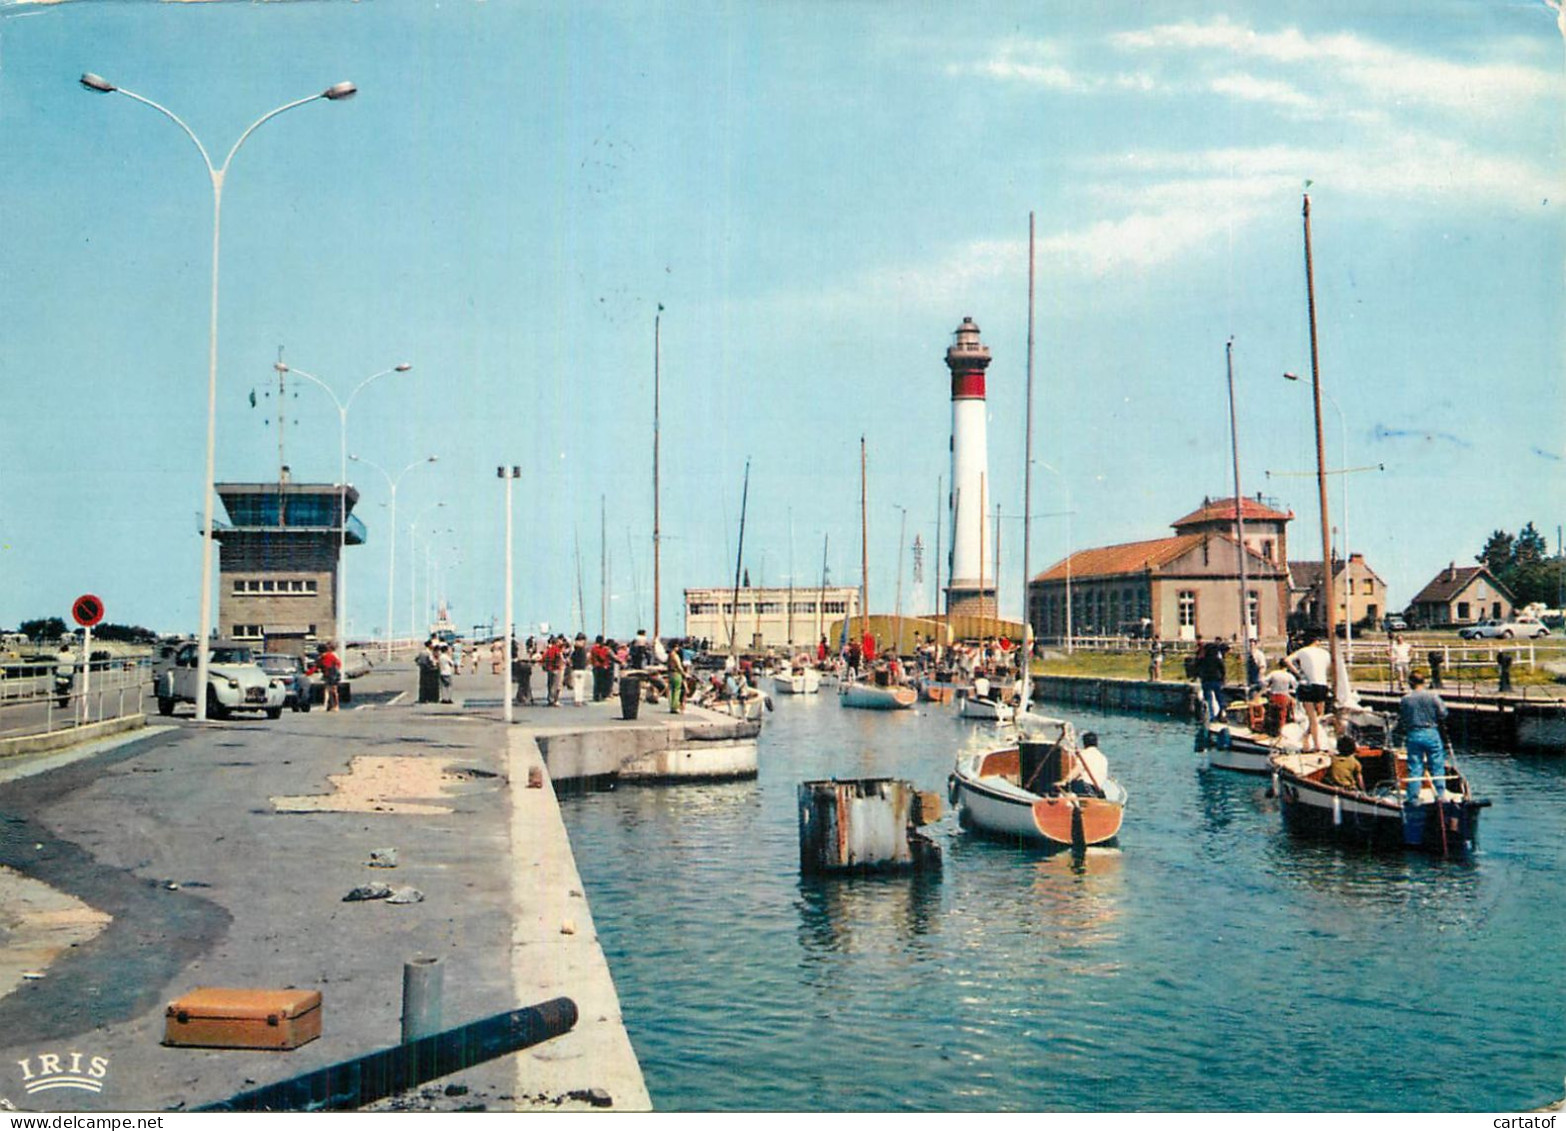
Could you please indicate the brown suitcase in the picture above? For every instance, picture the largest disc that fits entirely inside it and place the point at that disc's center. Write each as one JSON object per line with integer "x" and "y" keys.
{"x": 209, "y": 1017}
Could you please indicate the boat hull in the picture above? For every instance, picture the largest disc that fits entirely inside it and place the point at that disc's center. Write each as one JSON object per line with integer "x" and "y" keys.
{"x": 990, "y": 804}
{"x": 984, "y": 710}
{"x": 1378, "y": 821}
{"x": 1237, "y": 748}
{"x": 807, "y": 682}
{"x": 869, "y": 697}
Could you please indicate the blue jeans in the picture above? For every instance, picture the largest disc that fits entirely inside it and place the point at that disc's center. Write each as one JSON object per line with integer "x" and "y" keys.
{"x": 1426, "y": 750}
{"x": 1212, "y": 695}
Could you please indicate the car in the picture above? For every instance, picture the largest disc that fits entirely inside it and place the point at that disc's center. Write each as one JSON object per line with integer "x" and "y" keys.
{"x": 1394, "y": 623}
{"x": 290, "y": 668}
{"x": 1528, "y": 627}
{"x": 235, "y": 682}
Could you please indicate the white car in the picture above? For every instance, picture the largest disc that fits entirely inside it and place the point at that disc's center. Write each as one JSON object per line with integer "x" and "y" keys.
{"x": 235, "y": 682}
{"x": 1527, "y": 627}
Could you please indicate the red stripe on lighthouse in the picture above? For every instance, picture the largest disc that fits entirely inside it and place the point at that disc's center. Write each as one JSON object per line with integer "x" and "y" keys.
{"x": 968, "y": 385}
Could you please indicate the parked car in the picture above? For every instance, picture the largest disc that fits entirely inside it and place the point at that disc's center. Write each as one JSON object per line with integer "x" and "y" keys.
{"x": 1394, "y": 623}
{"x": 291, "y": 669}
{"x": 1527, "y": 627}
{"x": 235, "y": 682}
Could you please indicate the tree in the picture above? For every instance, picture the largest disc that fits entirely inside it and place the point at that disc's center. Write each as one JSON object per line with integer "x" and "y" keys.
{"x": 45, "y": 628}
{"x": 1497, "y": 555}
{"x": 1530, "y": 547}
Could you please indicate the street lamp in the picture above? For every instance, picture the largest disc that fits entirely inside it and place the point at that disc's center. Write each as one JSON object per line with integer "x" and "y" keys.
{"x": 342, "y": 477}
{"x": 391, "y": 565}
{"x": 335, "y": 93}
{"x": 1348, "y": 573}
{"x": 510, "y": 475}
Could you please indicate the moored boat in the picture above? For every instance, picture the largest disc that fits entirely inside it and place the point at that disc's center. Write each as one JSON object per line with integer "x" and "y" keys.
{"x": 873, "y": 695}
{"x": 1041, "y": 789}
{"x": 1377, "y": 816}
{"x": 797, "y": 681}
{"x": 979, "y": 703}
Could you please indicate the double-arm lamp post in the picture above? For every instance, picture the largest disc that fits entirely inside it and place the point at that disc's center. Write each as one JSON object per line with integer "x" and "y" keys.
{"x": 391, "y": 561}
{"x": 217, "y": 173}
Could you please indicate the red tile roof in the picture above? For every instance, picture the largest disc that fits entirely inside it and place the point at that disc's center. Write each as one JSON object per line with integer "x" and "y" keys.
{"x": 1129, "y": 558}
{"x": 1222, "y": 510}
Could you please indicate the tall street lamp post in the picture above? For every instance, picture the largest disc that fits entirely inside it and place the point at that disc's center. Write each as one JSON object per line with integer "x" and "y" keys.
{"x": 510, "y": 475}
{"x": 391, "y": 564}
{"x": 335, "y": 93}
{"x": 342, "y": 478}
{"x": 413, "y": 570}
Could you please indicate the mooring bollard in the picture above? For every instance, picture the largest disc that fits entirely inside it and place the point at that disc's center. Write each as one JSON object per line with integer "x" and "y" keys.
{"x": 866, "y": 825}
{"x": 423, "y": 991}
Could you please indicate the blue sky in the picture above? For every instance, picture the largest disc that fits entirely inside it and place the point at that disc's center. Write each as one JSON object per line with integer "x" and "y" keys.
{"x": 817, "y": 194}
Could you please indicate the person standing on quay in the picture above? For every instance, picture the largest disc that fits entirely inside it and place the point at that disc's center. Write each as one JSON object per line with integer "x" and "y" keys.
{"x": 1400, "y": 653}
{"x": 448, "y": 671}
{"x": 554, "y": 671}
{"x": 1313, "y": 665}
{"x": 676, "y": 671}
{"x": 331, "y": 674}
{"x": 429, "y": 673}
{"x": 579, "y": 670}
{"x": 602, "y": 661}
{"x": 1420, "y": 715}
{"x": 1213, "y": 672}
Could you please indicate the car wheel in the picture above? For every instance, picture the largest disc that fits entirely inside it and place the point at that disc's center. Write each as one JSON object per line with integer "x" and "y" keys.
{"x": 165, "y": 706}
{"x": 215, "y": 709}
{"x": 274, "y": 712}
{"x": 1507, "y": 635}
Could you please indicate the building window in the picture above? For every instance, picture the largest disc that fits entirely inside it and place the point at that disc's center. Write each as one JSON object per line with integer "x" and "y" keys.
{"x": 1267, "y": 549}
{"x": 1187, "y": 608}
{"x": 1369, "y": 587}
{"x": 838, "y": 607}
{"x": 1252, "y": 609}
{"x": 765, "y": 608}
{"x": 1462, "y": 610}
{"x": 247, "y": 632}
{"x": 804, "y": 606}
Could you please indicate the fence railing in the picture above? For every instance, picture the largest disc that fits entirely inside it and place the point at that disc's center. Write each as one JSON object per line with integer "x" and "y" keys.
{"x": 43, "y": 698}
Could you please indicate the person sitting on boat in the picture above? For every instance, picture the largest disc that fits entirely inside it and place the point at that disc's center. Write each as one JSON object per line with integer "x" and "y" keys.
{"x": 1313, "y": 665}
{"x": 1089, "y": 768}
{"x": 1420, "y": 715}
{"x": 1345, "y": 772}
{"x": 981, "y": 687}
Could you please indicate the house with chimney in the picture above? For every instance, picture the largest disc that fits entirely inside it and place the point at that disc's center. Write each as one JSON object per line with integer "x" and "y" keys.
{"x": 1460, "y": 595}
{"x": 1360, "y": 595}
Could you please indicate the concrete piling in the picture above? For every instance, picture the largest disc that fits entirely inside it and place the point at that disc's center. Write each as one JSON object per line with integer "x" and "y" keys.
{"x": 423, "y": 990}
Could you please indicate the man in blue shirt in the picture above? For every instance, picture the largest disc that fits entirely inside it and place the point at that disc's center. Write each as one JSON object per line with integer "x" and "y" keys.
{"x": 1420, "y": 716}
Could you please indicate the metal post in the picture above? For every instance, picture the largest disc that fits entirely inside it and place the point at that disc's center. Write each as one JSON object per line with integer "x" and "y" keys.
{"x": 510, "y": 692}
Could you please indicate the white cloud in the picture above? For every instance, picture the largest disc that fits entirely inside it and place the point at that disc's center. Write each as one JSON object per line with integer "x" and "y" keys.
{"x": 1249, "y": 88}
{"x": 1385, "y": 74}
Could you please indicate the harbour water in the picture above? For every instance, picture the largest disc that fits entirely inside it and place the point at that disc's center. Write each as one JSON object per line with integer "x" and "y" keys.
{"x": 1211, "y": 962}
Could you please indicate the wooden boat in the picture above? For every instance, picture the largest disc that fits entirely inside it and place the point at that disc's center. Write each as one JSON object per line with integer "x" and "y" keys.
{"x": 979, "y": 703}
{"x": 1378, "y": 816}
{"x": 1247, "y": 739}
{"x": 1035, "y": 791}
{"x": 873, "y": 695}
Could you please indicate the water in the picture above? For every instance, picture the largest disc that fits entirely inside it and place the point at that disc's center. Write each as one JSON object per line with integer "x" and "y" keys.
{"x": 1211, "y": 962}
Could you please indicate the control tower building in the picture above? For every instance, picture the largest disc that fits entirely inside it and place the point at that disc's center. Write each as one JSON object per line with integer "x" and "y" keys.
{"x": 279, "y": 557}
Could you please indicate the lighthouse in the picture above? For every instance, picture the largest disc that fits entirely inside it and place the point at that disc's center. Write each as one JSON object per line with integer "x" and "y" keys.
{"x": 971, "y": 591}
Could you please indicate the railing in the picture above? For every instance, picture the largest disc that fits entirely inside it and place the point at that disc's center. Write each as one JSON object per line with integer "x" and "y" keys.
{"x": 44, "y": 698}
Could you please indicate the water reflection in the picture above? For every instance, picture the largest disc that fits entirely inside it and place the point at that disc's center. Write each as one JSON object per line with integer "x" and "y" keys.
{"x": 866, "y": 914}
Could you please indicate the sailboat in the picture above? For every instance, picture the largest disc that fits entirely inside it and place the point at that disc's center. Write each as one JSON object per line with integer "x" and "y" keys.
{"x": 1376, "y": 811}
{"x": 880, "y": 692}
{"x": 1048, "y": 787}
{"x": 796, "y": 676}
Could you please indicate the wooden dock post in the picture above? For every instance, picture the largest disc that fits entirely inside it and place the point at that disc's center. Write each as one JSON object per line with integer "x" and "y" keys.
{"x": 866, "y": 825}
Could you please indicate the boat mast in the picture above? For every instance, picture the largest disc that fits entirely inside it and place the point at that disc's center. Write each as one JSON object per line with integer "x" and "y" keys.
{"x": 1239, "y": 518}
{"x": 1327, "y": 587}
{"x": 791, "y": 581}
{"x": 603, "y": 565}
{"x": 657, "y": 358}
{"x": 821, "y": 600}
{"x": 1027, "y": 494}
{"x": 864, "y": 550}
{"x": 983, "y": 522}
{"x": 738, "y": 559}
{"x": 902, "y": 536}
{"x": 939, "y": 483}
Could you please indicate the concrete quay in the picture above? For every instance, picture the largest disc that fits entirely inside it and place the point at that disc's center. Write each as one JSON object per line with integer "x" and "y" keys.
{"x": 135, "y": 869}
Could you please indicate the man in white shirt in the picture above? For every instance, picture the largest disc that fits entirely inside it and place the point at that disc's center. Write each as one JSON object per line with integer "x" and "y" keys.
{"x": 1313, "y": 665}
{"x": 1091, "y": 767}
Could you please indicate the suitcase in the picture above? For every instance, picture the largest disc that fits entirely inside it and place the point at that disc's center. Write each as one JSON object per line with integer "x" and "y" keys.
{"x": 208, "y": 1017}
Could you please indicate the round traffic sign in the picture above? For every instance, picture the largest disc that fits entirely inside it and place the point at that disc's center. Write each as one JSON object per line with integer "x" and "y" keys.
{"x": 88, "y": 610}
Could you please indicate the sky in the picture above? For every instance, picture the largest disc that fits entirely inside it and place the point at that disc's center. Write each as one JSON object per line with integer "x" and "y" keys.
{"x": 816, "y": 194}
